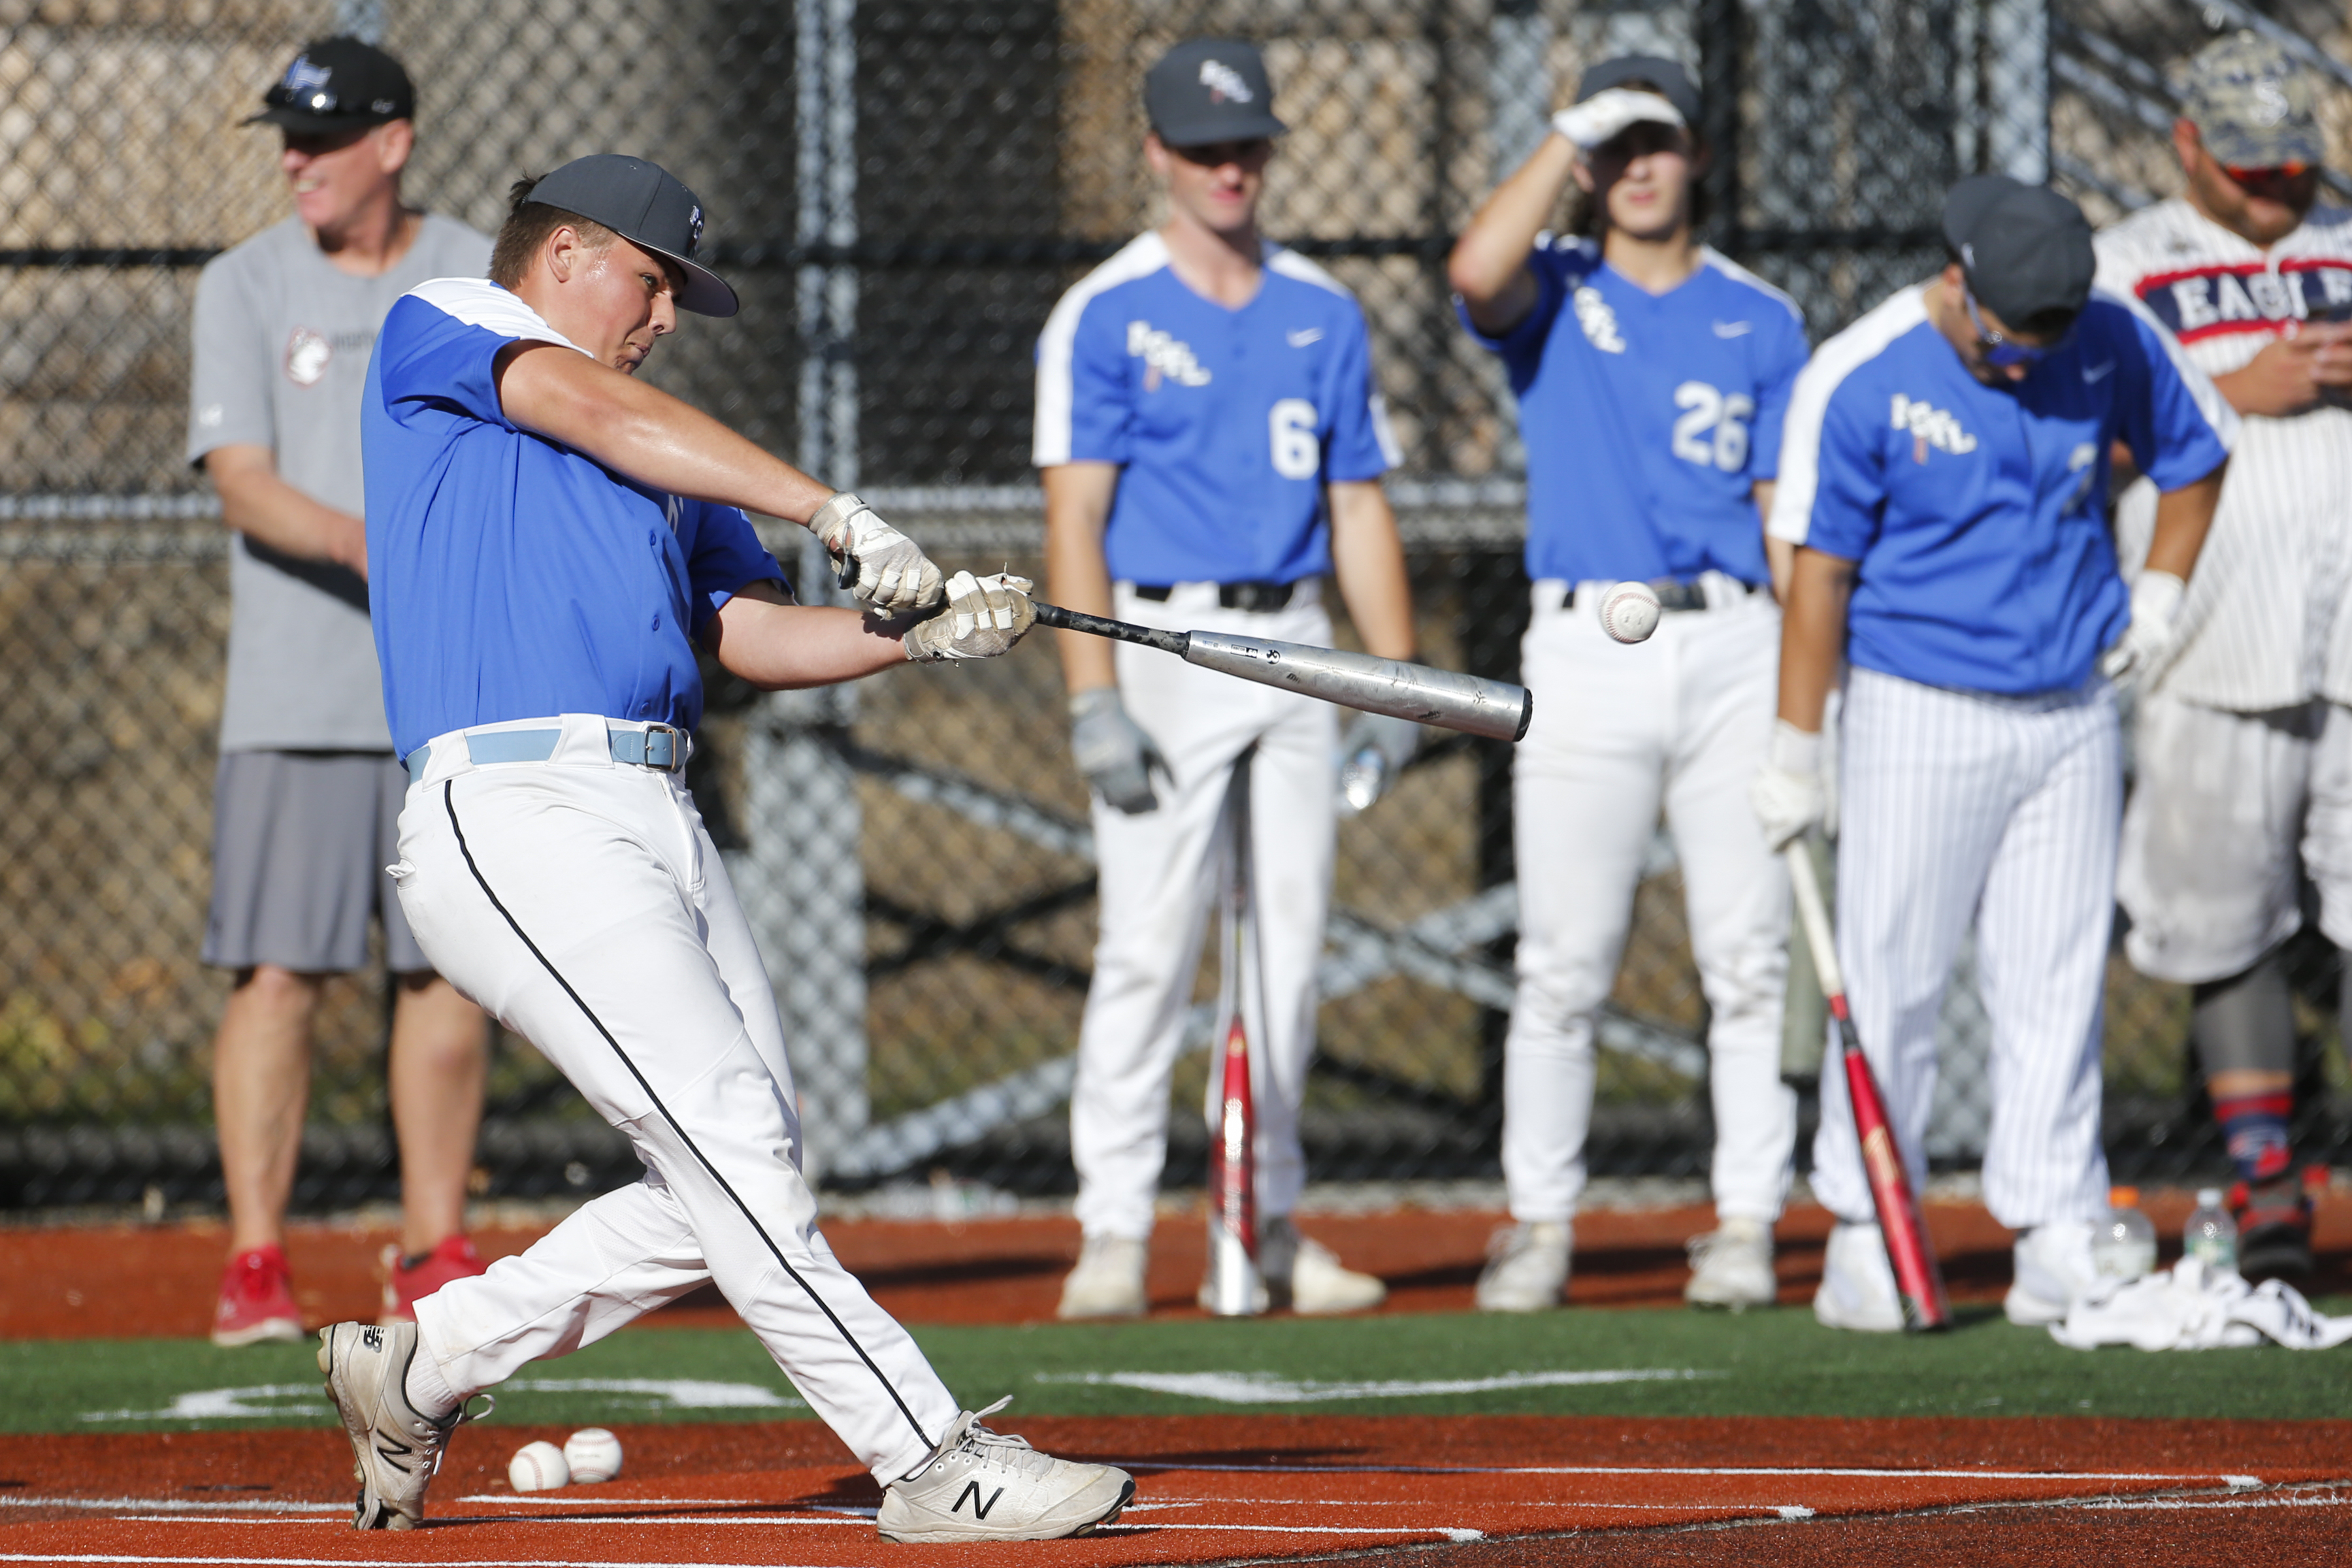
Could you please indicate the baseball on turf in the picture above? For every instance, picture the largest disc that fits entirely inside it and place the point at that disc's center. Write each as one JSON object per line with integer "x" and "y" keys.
{"x": 538, "y": 1468}
{"x": 1629, "y": 612}
{"x": 593, "y": 1453}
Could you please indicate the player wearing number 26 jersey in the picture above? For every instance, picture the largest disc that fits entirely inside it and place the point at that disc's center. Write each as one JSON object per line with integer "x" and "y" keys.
{"x": 1652, "y": 377}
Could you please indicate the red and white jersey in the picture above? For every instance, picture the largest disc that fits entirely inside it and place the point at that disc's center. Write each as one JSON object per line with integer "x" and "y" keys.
{"x": 2260, "y": 624}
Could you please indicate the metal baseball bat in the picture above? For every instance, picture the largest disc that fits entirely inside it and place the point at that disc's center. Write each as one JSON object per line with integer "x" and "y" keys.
{"x": 1496, "y": 709}
{"x": 1235, "y": 1287}
{"x": 1917, "y": 1277}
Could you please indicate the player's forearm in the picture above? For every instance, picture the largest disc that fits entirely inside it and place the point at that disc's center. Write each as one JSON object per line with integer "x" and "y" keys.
{"x": 785, "y": 647}
{"x": 2183, "y": 517}
{"x": 266, "y": 510}
{"x": 1812, "y": 636}
{"x": 1077, "y": 577}
{"x": 1368, "y": 561}
{"x": 1489, "y": 265}
{"x": 646, "y": 434}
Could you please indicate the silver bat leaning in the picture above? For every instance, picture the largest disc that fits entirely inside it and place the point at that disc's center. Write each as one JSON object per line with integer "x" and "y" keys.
{"x": 1496, "y": 709}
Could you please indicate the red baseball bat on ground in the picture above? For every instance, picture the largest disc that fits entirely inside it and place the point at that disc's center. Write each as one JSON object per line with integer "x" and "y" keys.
{"x": 1235, "y": 1289}
{"x": 1917, "y": 1277}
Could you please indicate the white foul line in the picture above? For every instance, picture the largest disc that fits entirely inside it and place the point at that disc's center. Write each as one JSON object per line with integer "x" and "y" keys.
{"x": 2238, "y": 1483}
{"x": 348, "y": 1561}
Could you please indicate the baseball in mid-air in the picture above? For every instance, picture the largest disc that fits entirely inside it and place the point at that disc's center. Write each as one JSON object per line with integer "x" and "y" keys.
{"x": 538, "y": 1468}
{"x": 593, "y": 1453}
{"x": 1629, "y": 612}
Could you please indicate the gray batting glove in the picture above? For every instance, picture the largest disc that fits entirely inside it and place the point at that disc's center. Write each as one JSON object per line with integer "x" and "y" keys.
{"x": 882, "y": 568}
{"x": 1787, "y": 791}
{"x": 983, "y": 616}
{"x": 1364, "y": 779}
{"x": 1604, "y": 116}
{"x": 1113, "y": 752}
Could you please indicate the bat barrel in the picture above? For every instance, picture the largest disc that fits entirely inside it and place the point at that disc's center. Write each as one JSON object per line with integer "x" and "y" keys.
{"x": 1494, "y": 710}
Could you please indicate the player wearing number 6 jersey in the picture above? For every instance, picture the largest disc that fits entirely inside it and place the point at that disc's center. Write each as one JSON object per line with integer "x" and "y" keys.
{"x": 1211, "y": 445}
{"x": 1651, "y": 375}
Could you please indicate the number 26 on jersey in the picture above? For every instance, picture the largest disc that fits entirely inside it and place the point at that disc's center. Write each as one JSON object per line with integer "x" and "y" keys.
{"x": 1713, "y": 429}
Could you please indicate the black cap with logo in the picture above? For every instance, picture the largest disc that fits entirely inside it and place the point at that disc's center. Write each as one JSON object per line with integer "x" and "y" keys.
{"x": 1672, "y": 82}
{"x": 647, "y": 205}
{"x": 338, "y": 84}
{"x": 2025, "y": 248}
{"x": 1209, "y": 89}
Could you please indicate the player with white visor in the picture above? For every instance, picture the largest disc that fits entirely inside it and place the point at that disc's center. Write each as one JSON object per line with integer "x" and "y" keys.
{"x": 1651, "y": 376}
{"x": 1945, "y": 476}
{"x": 1213, "y": 443}
{"x": 549, "y": 540}
{"x": 2243, "y": 740}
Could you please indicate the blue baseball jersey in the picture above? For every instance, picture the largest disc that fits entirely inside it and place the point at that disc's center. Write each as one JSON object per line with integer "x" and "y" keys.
{"x": 1648, "y": 417}
{"x": 510, "y": 577}
{"x": 1978, "y": 515}
{"x": 1226, "y": 424}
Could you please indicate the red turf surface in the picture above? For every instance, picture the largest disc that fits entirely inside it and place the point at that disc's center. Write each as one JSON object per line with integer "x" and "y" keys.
{"x": 135, "y": 1282}
{"x": 1220, "y": 1488}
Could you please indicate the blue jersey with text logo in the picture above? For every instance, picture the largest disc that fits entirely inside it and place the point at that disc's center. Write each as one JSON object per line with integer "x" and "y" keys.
{"x": 1648, "y": 418}
{"x": 509, "y": 576}
{"x": 1226, "y": 424}
{"x": 1977, "y": 514}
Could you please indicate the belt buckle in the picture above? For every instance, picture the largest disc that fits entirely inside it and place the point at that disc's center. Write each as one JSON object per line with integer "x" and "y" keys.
{"x": 675, "y": 740}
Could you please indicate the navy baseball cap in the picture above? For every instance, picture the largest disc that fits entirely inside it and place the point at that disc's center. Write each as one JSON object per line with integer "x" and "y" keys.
{"x": 647, "y": 205}
{"x": 1672, "y": 82}
{"x": 2025, "y": 248}
{"x": 1209, "y": 89}
{"x": 338, "y": 84}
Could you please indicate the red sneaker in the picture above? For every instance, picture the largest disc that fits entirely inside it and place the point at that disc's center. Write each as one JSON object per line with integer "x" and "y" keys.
{"x": 2273, "y": 1228}
{"x": 257, "y": 1301}
{"x": 408, "y": 1280}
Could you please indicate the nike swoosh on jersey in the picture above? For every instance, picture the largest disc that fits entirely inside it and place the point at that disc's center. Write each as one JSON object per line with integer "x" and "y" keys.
{"x": 2096, "y": 373}
{"x": 1300, "y": 339}
{"x": 1734, "y": 329}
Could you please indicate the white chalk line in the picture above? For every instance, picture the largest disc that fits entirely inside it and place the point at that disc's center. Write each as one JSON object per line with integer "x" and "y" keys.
{"x": 178, "y": 1505}
{"x": 347, "y": 1562}
{"x": 2267, "y": 1501}
{"x": 2234, "y": 1482}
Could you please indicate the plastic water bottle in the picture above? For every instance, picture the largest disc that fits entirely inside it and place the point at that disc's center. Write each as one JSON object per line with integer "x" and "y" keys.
{"x": 1361, "y": 780}
{"x": 2210, "y": 1234}
{"x": 2125, "y": 1247}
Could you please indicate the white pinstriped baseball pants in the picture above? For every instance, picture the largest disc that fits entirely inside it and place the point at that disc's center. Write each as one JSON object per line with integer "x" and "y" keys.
{"x": 1962, "y": 807}
{"x": 582, "y": 903}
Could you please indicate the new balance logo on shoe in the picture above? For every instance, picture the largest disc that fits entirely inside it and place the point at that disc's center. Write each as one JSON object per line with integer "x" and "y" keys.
{"x": 970, "y": 1494}
{"x": 372, "y": 1337}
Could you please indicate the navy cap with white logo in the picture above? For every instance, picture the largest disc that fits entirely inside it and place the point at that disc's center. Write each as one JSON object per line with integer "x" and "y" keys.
{"x": 338, "y": 84}
{"x": 2025, "y": 248}
{"x": 1672, "y": 82}
{"x": 647, "y": 205}
{"x": 1209, "y": 89}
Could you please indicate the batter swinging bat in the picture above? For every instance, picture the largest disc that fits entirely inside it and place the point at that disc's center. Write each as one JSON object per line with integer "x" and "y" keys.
{"x": 1917, "y": 1277}
{"x": 1494, "y": 709}
{"x": 1235, "y": 1289}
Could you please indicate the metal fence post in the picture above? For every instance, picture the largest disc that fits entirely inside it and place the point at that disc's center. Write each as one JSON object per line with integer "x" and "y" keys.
{"x": 2017, "y": 88}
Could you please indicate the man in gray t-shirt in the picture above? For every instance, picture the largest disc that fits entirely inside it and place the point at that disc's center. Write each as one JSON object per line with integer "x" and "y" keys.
{"x": 308, "y": 788}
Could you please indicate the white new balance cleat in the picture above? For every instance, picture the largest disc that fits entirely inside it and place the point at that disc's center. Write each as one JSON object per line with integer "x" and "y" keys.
{"x": 1306, "y": 1276}
{"x": 1108, "y": 1280}
{"x": 1731, "y": 1267}
{"x": 2052, "y": 1267}
{"x": 395, "y": 1448}
{"x": 984, "y": 1486}
{"x": 1526, "y": 1268}
{"x": 1857, "y": 1283}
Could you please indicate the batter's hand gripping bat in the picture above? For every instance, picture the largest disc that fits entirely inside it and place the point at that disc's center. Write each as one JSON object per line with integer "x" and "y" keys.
{"x": 1235, "y": 1287}
{"x": 1917, "y": 1277}
{"x": 1494, "y": 709}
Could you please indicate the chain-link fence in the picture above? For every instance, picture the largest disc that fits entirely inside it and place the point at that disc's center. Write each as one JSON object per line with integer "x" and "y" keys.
{"x": 900, "y": 189}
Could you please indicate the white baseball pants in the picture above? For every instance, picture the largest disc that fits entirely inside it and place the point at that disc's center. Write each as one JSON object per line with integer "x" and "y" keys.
{"x": 1682, "y": 722}
{"x": 1159, "y": 881}
{"x": 582, "y": 903}
{"x": 1958, "y": 808}
{"x": 2226, "y": 813}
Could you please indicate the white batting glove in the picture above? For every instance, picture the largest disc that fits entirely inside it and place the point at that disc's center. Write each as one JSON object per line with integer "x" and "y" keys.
{"x": 1113, "y": 752}
{"x": 882, "y": 568}
{"x": 1604, "y": 116}
{"x": 983, "y": 617}
{"x": 1787, "y": 791}
{"x": 1391, "y": 742}
{"x": 2150, "y": 639}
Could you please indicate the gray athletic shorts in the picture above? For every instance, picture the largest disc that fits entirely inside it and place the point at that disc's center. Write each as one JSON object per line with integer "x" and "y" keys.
{"x": 300, "y": 843}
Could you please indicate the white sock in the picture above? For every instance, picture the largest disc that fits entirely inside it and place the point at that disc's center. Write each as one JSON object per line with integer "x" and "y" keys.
{"x": 426, "y": 1389}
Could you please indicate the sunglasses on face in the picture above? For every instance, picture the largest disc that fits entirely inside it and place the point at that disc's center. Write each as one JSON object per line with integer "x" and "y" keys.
{"x": 1217, "y": 154}
{"x": 2004, "y": 351}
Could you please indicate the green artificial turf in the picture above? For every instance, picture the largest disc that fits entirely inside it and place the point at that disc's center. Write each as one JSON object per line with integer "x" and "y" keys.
{"x": 1762, "y": 1363}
